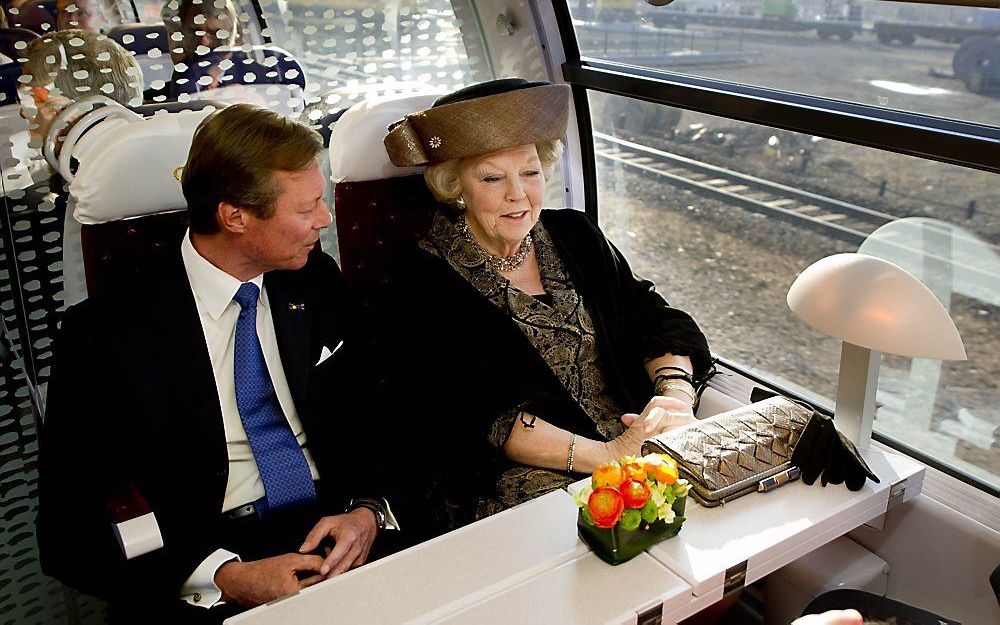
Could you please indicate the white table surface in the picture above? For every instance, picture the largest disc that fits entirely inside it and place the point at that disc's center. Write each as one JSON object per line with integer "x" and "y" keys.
{"x": 769, "y": 530}
{"x": 582, "y": 591}
{"x": 440, "y": 576}
{"x": 527, "y": 564}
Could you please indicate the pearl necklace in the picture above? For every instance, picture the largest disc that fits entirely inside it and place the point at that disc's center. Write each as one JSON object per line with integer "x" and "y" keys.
{"x": 501, "y": 264}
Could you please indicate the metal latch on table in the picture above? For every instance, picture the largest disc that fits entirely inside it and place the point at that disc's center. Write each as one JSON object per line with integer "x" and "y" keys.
{"x": 652, "y": 616}
{"x": 735, "y": 576}
{"x": 896, "y": 493}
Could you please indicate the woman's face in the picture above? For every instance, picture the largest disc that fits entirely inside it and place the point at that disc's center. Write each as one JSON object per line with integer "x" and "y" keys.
{"x": 503, "y": 196}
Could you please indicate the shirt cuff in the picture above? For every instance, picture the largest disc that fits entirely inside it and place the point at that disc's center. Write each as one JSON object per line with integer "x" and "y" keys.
{"x": 200, "y": 589}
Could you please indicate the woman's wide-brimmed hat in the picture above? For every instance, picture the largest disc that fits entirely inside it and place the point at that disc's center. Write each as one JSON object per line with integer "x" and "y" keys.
{"x": 480, "y": 119}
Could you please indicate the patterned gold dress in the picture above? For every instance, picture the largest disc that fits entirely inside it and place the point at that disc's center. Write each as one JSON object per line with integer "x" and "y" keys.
{"x": 558, "y": 326}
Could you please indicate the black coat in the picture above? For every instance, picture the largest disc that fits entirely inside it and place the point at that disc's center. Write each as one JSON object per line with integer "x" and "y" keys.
{"x": 459, "y": 361}
{"x": 133, "y": 400}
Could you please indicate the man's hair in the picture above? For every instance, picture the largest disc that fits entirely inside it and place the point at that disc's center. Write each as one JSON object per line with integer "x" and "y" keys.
{"x": 444, "y": 179}
{"x": 233, "y": 158}
{"x": 107, "y": 68}
{"x": 179, "y": 17}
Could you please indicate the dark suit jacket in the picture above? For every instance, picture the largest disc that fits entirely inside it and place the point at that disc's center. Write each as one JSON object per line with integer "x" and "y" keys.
{"x": 133, "y": 400}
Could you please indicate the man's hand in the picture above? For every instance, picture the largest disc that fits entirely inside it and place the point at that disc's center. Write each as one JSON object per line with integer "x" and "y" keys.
{"x": 352, "y": 533}
{"x": 260, "y": 581}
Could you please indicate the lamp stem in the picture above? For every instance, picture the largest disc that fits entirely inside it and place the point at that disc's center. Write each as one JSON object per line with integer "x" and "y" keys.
{"x": 856, "y": 388}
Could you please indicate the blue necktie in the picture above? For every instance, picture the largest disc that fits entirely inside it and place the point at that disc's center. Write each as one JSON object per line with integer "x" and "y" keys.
{"x": 282, "y": 465}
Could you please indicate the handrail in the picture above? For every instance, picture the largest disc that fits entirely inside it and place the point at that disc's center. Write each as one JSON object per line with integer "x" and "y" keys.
{"x": 82, "y": 125}
{"x": 65, "y": 119}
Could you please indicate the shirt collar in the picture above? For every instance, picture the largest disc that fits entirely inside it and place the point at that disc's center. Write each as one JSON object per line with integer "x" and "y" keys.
{"x": 213, "y": 287}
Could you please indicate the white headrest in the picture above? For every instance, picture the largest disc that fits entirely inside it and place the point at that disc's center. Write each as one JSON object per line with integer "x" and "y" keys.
{"x": 135, "y": 169}
{"x": 356, "y": 149}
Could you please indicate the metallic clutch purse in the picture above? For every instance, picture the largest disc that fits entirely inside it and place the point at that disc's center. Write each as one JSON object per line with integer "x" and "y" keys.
{"x": 737, "y": 452}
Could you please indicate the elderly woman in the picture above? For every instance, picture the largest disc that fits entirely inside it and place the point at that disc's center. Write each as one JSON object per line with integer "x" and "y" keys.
{"x": 72, "y": 64}
{"x": 526, "y": 342}
{"x": 86, "y": 15}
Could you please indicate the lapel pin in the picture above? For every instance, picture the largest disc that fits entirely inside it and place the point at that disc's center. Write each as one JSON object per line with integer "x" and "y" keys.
{"x": 292, "y": 306}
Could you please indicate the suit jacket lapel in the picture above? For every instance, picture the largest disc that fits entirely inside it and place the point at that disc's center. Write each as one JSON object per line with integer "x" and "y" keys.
{"x": 179, "y": 342}
{"x": 292, "y": 317}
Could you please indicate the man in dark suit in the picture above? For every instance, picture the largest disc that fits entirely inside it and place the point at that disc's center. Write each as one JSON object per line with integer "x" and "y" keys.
{"x": 226, "y": 389}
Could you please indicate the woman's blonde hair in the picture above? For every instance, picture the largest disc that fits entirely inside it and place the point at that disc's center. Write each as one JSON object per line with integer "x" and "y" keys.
{"x": 103, "y": 66}
{"x": 445, "y": 182}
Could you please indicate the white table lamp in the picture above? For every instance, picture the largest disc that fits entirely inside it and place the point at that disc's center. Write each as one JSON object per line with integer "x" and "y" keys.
{"x": 874, "y": 306}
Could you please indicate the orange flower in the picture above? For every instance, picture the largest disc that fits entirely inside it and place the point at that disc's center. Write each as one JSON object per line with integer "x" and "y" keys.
{"x": 667, "y": 474}
{"x": 634, "y": 493}
{"x": 633, "y": 469}
{"x": 608, "y": 474}
{"x": 606, "y": 506}
{"x": 661, "y": 468}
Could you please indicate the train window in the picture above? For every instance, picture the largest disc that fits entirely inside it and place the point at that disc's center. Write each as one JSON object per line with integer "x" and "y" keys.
{"x": 724, "y": 214}
{"x": 922, "y": 58}
{"x": 357, "y": 50}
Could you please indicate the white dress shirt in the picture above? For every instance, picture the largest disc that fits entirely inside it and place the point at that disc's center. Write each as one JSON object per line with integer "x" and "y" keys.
{"x": 213, "y": 295}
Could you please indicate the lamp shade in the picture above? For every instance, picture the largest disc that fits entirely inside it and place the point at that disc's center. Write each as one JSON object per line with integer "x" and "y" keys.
{"x": 873, "y": 303}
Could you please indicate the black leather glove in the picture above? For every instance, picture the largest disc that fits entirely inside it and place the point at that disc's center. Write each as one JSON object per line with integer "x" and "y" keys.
{"x": 821, "y": 449}
{"x": 814, "y": 448}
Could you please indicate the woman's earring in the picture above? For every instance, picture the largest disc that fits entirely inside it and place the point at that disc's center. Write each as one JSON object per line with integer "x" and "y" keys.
{"x": 460, "y": 202}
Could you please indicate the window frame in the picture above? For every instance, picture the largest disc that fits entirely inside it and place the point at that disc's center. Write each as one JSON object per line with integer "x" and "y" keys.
{"x": 967, "y": 144}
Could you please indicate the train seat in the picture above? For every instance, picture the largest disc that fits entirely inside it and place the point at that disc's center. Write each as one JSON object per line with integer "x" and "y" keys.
{"x": 13, "y": 41}
{"x": 38, "y": 17}
{"x": 264, "y": 75}
{"x": 376, "y": 203}
{"x": 15, "y": 153}
{"x": 126, "y": 228}
{"x": 149, "y": 45}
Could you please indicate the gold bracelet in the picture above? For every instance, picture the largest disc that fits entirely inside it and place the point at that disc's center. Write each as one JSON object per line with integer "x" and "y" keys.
{"x": 569, "y": 459}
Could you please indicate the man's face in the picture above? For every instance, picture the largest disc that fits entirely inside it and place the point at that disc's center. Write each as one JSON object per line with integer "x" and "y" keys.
{"x": 206, "y": 31}
{"x": 85, "y": 16}
{"x": 284, "y": 240}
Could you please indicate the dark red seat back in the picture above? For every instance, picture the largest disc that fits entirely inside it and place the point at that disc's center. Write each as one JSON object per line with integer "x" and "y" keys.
{"x": 119, "y": 252}
{"x": 373, "y": 217}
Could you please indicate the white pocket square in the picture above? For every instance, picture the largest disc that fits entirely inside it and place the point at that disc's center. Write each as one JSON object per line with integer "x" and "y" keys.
{"x": 326, "y": 352}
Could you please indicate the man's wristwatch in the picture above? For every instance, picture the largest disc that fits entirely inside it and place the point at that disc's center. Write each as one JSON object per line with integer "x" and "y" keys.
{"x": 376, "y": 506}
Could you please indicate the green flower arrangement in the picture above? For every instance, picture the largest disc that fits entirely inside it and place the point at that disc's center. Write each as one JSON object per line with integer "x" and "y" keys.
{"x": 631, "y": 505}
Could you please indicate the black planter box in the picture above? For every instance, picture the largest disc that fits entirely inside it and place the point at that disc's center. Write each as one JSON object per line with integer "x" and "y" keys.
{"x": 615, "y": 545}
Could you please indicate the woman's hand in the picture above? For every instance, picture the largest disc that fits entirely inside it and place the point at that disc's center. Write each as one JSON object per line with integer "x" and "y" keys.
{"x": 661, "y": 414}
{"x": 833, "y": 617}
{"x": 45, "y": 114}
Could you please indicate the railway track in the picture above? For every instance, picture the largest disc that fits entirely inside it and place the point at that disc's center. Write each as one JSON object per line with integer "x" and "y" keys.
{"x": 841, "y": 220}
{"x": 828, "y": 216}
